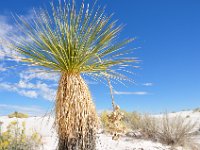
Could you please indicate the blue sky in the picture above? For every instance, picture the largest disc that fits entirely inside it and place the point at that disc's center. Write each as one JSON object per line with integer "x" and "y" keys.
{"x": 168, "y": 34}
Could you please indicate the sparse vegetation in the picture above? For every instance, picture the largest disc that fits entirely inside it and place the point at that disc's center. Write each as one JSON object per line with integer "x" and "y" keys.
{"x": 131, "y": 120}
{"x": 196, "y": 110}
{"x": 174, "y": 131}
{"x": 105, "y": 121}
{"x": 113, "y": 123}
{"x": 188, "y": 116}
{"x": 148, "y": 126}
{"x": 15, "y": 138}
{"x": 18, "y": 115}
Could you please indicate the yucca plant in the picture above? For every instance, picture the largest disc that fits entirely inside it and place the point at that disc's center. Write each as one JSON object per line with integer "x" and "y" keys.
{"x": 74, "y": 42}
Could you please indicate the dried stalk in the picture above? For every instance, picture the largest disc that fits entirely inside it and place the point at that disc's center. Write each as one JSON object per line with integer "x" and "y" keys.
{"x": 115, "y": 117}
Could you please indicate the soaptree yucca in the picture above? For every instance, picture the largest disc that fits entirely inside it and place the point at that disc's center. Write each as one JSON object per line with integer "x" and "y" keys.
{"x": 73, "y": 42}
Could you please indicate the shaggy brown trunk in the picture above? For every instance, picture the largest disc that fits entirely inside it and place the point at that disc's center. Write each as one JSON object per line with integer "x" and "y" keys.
{"x": 76, "y": 118}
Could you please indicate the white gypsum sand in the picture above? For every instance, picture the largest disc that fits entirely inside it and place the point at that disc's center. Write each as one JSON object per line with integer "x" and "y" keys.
{"x": 44, "y": 126}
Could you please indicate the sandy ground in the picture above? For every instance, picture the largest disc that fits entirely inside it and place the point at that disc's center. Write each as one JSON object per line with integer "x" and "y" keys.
{"x": 44, "y": 126}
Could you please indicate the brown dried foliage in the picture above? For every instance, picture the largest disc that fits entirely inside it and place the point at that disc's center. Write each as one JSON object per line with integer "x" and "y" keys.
{"x": 76, "y": 117}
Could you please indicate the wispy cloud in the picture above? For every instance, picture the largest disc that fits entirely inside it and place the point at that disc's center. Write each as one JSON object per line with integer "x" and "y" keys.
{"x": 30, "y": 90}
{"x": 31, "y": 110}
{"x": 14, "y": 88}
{"x": 7, "y": 31}
{"x": 30, "y": 74}
{"x": 130, "y": 93}
{"x": 31, "y": 82}
{"x": 148, "y": 84}
{"x": 2, "y": 68}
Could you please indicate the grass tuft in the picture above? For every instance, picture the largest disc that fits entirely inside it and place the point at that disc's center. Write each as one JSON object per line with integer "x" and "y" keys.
{"x": 18, "y": 115}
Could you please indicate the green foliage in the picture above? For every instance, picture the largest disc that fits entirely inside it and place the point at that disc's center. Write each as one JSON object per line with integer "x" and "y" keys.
{"x": 14, "y": 138}
{"x": 66, "y": 40}
{"x": 18, "y": 115}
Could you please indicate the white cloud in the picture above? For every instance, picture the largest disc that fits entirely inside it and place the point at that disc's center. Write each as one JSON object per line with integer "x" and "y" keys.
{"x": 2, "y": 68}
{"x": 43, "y": 89}
{"x": 130, "y": 93}
{"x": 31, "y": 110}
{"x": 30, "y": 74}
{"x": 148, "y": 84}
{"x": 7, "y": 31}
{"x": 25, "y": 86}
{"x": 31, "y": 90}
{"x": 136, "y": 67}
{"x": 14, "y": 88}
{"x": 46, "y": 92}
{"x": 29, "y": 93}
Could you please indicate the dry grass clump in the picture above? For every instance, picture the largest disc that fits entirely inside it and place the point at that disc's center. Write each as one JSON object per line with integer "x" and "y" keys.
{"x": 196, "y": 110}
{"x": 175, "y": 131}
{"x": 148, "y": 126}
{"x": 132, "y": 120}
{"x": 104, "y": 121}
{"x": 18, "y": 115}
{"x": 15, "y": 138}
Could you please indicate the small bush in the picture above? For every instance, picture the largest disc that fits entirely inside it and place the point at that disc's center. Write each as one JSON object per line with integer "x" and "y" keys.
{"x": 104, "y": 120}
{"x": 148, "y": 126}
{"x": 175, "y": 131}
{"x": 14, "y": 138}
{"x": 196, "y": 110}
{"x": 131, "y": 120}
{"x": 188, "y": 116}
{"x": 18, "y": 115}
{"x": 112, "y": 122}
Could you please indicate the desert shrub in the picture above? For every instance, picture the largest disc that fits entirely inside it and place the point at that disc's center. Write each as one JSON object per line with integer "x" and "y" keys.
{"x": 131, "y": 120}
{"x": 188, "y": 116}
{"x": 175, "y": 131}
{"x": 104, "y": 120}
{"x": 112, "y": 122}
{"x": 18, "y": 115}
{"x": 196, "y": 110}
{"x": 148, "y": 126}
{"x": 14, "y": 138}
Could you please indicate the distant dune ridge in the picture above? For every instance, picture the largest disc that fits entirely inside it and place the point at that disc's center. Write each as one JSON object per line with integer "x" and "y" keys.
{"x": 44, "y": 126}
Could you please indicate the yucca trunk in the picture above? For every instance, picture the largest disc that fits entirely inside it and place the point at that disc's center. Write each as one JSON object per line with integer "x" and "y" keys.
{"x": 76, "y": 117}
